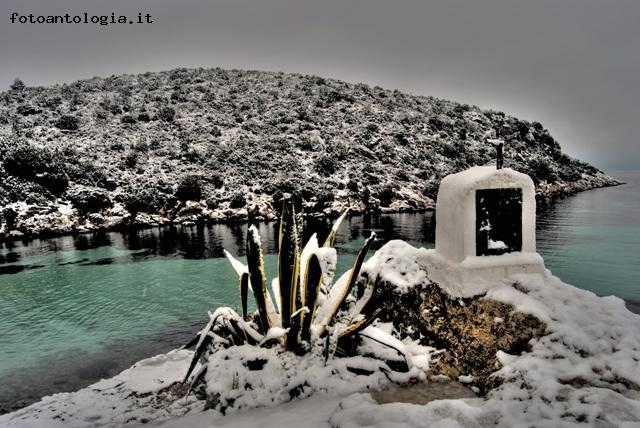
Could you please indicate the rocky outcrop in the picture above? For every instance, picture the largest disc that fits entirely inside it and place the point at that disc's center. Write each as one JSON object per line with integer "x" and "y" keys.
{"x": 469, "y": 332}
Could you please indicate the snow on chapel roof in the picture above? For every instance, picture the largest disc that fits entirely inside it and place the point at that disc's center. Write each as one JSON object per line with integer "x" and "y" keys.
{"x": 485, "y": 229}
{"x": 483, "y": 176}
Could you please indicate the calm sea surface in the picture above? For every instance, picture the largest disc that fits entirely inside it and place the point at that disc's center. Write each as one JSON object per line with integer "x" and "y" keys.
{"x": 77, "y": 309}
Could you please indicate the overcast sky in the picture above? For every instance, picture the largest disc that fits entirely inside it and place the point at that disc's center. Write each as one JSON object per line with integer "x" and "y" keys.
{"x": 573, "y": 65}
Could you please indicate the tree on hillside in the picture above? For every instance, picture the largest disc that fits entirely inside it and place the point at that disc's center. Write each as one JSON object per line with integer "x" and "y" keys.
{"x": 189, "y": 188}
{"x": 17, "y": 85}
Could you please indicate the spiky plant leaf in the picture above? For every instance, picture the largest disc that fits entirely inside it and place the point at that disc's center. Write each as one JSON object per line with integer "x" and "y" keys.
{"x": 359, "y": 325}
{"x": 382, "y": 337}
{"x": 342, "y": 288}
{"x": 197, "y": 378}
{"x": 312, "y": 281}
{"x": 192, "y": 342}
{"x": 274, "y": 334}
{"x": 328, "y": 261}
{"x": 203, "y": 342}
{"x": 332, "y": 234}
{"x": 370, "y": 298}
{"x": 272, "y": 312}
{"x": 237, "y": 265}
{"x": 348, "y": 340}
{"x": 288, "y": 267}
{"x": 275, "y": 289}
{"x": 232, "y": 331}
{"x": 307, "y": 251}
{"x": 258, "y": 278}
{"x": 244, "y": 294}
{"x": 365, "y": 303}
{"x": 239, "y": 331}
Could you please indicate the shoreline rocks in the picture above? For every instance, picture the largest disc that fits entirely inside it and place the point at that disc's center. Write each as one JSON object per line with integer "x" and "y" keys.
{"x": 61, "y": 218}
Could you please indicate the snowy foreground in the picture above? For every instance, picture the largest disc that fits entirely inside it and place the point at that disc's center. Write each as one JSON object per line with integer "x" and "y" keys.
{"x": 585, "y": 370}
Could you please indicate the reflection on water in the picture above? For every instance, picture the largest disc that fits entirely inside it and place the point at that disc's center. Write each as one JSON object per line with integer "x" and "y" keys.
{"x": 206, "y": 242}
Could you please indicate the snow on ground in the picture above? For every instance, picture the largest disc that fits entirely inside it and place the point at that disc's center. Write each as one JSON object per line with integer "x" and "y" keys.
{"x": 311, "y": 412}
{"x": 125, "y": 398}
{"x": 584, "y": 372}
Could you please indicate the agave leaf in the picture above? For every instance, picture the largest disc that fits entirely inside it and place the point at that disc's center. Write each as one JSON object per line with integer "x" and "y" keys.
{"x": 299, "y": 217}
{"x": 203, "y": 342}
{"x": 241, "y": 333}
{"x": 244, "y": 294}
{"x": 274, "y": 333}
{"x": 253, "y": 335}
{"x": 237, "y": 265}
{"x": 328, "y": 258}
{"x": 359, "y": 325}
{"x": 275, "y": 289}
{"x": 192, "y": 342}
{"x": 293, "y": 335}
{"x": 196, "y": 378}
{"x": 365, "y": 303}
{"x": 237, "y": 338}
{"x": 326, "y": 305}
{"x": 342, "y": 288}
{"x": 202, "y": 346}
{"x": 272, "y": 313}
{"x": 312, "y": 281}
{"x": 382, "y": 337}
{"x": 309, "y": 248}
{"x": 299, "y": 296}
{"x": 288, "y": 262}
{"x": 332, "y": 234}
{"x": 370, "y": 298}
{"x": 257, "y": 276}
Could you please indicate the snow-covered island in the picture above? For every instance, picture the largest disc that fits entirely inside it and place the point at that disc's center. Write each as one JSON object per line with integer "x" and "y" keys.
{"x": 214, "y": 145}
{"x": 467, "y": 334}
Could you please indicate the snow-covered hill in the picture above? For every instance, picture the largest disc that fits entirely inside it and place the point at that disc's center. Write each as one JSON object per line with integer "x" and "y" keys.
{"x": 236, "y": 140}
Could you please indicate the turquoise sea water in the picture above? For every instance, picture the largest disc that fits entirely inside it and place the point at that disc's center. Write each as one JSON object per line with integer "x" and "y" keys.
{"x": 76, "y": 309}
{"x": 592, "y": 239}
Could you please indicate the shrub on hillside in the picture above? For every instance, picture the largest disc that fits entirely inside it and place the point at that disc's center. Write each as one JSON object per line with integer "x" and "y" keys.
{"x": 68, "y": 122}
{"x": 212, "y": 202}
{"x": 51, "y": 169}
{"x": 326, "y": 165}
{"x": 131, "y": 160}
{"x": 128, "y": 119}
{"x": 216, "y": 179}
{"x": 89, "y": 199}
{"x": 17, "y": 85}
{"x": 27, "y": 160}
{"x": 9, "y": 215}
{"x": 27, "y": 110}
{"x": 237, "y": 201}
{"x": 540, "y": 170}
{"x": 386, "y": 195}
{"x": 189, "y": 188}
{"x": 167, "y": 114}
{"x": 143, "y": 199}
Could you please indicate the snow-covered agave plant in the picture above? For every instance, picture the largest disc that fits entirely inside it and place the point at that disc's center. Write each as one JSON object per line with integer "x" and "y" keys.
{"x": 309, "y": 309}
